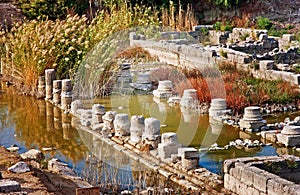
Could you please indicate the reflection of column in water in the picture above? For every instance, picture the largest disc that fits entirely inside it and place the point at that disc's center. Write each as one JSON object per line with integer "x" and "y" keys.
{"x": 186, "y": 114}
{"x": 216, "y": 126}
{"x": 57, "y": 118}
{"x": 121, "y": 159}
{"x": 66, "y": 126}
{"x": 138, "y": 173}
{"x": 159, "y": 110}
{"x": 49, "y": 116}
{"x": 42, "y": 107}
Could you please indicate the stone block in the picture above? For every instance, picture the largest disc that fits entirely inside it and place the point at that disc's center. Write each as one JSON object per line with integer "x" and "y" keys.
{"x": 241, "y": 188}
{"x": 277, "y": 185}
{"x": 266, "y": 64}
{"x": 188, "y": 153}
{"x": 287, "y": 38}
{"x": 33, "y": 154}
{"x": 167, "y": 150}
{"x": 228, "y": 164}
{"x": 230, "y": 182}
{"x": 20, "y": 167}
{"x": 253, "y": 191}
{"x": 292, "y": 189}
{"x": 296, "y": 79}
{"x": 247, "y": 176}
{"x": 7, "y": 186}
{"x": 260, "y": 182}
{"x": 288, "y": 140}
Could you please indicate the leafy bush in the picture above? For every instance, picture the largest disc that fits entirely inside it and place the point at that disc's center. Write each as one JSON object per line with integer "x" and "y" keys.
{"x": 227, "y": 3}
{"x": 263, "y": 23}
{"x": 51, "y": 9}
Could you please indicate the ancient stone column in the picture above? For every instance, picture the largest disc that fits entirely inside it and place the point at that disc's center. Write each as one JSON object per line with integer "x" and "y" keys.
{"x": 98, "y": 111}
{"x": 41, "y": 87}
{"x": 189, "y": 157}
{"x": 137, "y": 128}
{"x": 49, "y": 77}
{"x": 164, "y": 90}
{"x": 86, "y": 117}
{"x": 169, "y": 145}
{"x": 121, "y": 125}
{"x": 217, "y": 107}
{"x": 151, "y": 135}
{"x": 66, "y": 94}
{"x": 56, "y": 91}
{"x": 108, "y": 125}
{"x": 252, "y": 119}
{"x": 289, "y": 136}
{"x": 75, "y": 106}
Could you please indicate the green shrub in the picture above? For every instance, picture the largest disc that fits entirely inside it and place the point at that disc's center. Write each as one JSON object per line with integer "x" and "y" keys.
{"x": 51, "y": 9}
{"x": 263, "y": 23}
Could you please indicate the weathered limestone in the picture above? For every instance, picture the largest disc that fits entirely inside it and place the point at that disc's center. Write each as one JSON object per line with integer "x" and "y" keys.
{"x": 85, "y": 117}
{"x": 98, "y": 111}
{"x": 33, "y": 154}
{"x": 164, "y": 90}
{"x": 151, "y": 135}
{"x": 143, "y": 82}
{"x": 262, "y": 175}
{"x": 66, "y": 94}
{"x": 121, "y": 125}
{"x": 41, "y": 87}
{"x": 7, "y": 186}
{"x": 108, "y": 125}
{"x": 189, "y": 98}
{"x": 56, "y": 91}
{"x": 169, "y": 145}
{"x": 266, "y": 64}
{"x": 189, "y": 157}
{"x": 137, "y": 128}
{"x": 19, "y": 167}
{"x": 49, "y": 77}
{"x": 75, "y": 106}
{"x": 217, "y": 107}
{"x": 289, "y": 136}
{"x": 252, "y": 119}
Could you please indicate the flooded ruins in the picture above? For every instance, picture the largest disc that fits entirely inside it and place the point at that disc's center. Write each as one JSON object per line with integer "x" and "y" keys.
{"x": 143, "y": 130}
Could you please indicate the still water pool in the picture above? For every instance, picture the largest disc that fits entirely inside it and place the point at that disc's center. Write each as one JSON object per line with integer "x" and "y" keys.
{"x": 31, "y": 123}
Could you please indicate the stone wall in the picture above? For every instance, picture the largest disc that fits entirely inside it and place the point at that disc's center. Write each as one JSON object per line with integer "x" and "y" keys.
{"x": 178, "y": 52}
{"x": 263, "y": 175}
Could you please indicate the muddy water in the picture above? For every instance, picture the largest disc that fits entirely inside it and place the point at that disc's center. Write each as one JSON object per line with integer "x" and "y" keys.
{"x": 31, "y": 123}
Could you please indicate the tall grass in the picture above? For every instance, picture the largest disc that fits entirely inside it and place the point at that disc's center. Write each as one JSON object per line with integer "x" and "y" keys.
{"x": 30, "y": 48}
{"x": 182, "y": 20}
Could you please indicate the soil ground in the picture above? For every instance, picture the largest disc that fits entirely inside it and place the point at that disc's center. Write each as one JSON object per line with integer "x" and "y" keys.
{"x": 37, "y": 181}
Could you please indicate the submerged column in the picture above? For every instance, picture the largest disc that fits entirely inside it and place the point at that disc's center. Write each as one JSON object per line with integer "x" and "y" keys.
{"x": 49, "y": 77}
{"x": 66, "y": 94}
